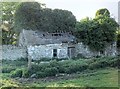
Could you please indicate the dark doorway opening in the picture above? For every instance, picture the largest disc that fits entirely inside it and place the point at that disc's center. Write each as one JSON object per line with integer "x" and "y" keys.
{"x": 71, "y": 52}
{"x": 54, "y": 52}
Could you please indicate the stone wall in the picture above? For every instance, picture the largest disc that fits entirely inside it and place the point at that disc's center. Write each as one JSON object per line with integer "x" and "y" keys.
{"x": 13, "y": 52}
{"x": 46, "y": 51}
{"x": 111, "y": 50}
{"x": 82, "y": 50}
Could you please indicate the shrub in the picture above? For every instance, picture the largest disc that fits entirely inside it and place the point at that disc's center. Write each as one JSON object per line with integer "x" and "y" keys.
{"x": 98, "y": 64}
{"x": 41, "y": 74}
{"x": 51, "y": 71}
{"x": 16, "y": 73}
{"x": 44, "y": 59}
{"x": 35, "y": 67}
{"x": 7, "y": 69}
{"x": 54, "y": 63}
{"x": 115, "y": 63}
{"x": 76, "y": 68}
{"x": 27, "y": 73}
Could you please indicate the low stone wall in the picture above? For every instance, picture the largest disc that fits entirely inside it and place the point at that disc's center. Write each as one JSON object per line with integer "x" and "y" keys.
{"x": 13, "y": 52}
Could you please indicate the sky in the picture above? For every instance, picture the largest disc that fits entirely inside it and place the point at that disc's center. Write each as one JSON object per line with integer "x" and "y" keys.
{"x": 84, "y": 8}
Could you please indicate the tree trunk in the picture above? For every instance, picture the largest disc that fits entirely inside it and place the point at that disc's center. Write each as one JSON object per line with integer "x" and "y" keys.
{"x": 29, "y": 62}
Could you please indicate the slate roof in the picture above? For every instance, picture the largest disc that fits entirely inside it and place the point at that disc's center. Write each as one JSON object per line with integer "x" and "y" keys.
{"x": 41, "y": 38}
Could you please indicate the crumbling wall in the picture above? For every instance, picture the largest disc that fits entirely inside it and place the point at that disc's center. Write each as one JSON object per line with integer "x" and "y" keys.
{"x": 13, "y": 52}
{"x": 46, "y": 51}
{"x": 84, "y": 51}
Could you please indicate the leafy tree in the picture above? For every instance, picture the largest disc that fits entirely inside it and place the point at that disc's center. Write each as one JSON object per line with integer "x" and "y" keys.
{"x": 8, "y": 10}
{"x": 102, "y": 12}
{"x": 28, "y": 16}
{"x": 63, "y": 20}
{"x": 97, "y": 33}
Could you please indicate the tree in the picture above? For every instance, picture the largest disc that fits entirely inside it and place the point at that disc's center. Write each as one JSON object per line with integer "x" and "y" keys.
{"x": 64, "y": 20}
{"x": 102, "y": 12}
{"x": 28, "y": 16}
{"x": 8, "y": 10}
{"x": 98, "y": 32}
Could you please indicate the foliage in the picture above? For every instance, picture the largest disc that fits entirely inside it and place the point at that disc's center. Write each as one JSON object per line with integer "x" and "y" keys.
{"x": 100, "y": 76}
{"x": 30, "y": 15}
{"x": 57, "y": 67}
{"x": 17, "y": 73}
{"x": 8, "y": 34}
{"x": 51, "y": 71}
{"x": 26, "y": 73}
{"x": 58, "y": 20}
{"x": 118, "y": 38}
{"x": 70, "y": 66}
{"x": 7, "y": 69}
{"x": 103, "y": 11}
{"x": 105, "y": 78}
{"x": 97, "y": 33}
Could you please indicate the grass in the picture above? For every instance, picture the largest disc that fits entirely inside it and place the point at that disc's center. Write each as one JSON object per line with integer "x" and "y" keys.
{"x": 102, "y": 77}
{"x": 107, "y": 77}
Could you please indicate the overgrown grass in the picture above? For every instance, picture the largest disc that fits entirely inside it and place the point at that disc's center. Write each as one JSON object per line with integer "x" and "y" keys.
{"x": 107, "y": 77}
{"x": 98, "y": 72}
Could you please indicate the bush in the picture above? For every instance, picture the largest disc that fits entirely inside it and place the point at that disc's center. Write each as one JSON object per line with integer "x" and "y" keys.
{"x": 16, "y": 73}
{"x": 7, "y": 69}
{"x": 54, "y": 63}
{"x": 115, "y": 63}
{"x": 41, "y": 74}
{"x": 45, "y": 59}
{"x": 27, "y": 73}
{"x": 51, "y": 71}
{"x": 75, "y": 68}
{"x": 35, "y": 67}
{"x": 96, "y": 65}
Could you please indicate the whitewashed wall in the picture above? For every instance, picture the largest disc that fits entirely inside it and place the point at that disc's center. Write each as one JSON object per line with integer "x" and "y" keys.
{"x": 46, "y": 51}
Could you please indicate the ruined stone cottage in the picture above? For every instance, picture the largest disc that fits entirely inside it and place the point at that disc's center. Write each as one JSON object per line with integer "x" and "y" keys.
{"x": 37, "y": 45}
{"x": 47, "y": 45}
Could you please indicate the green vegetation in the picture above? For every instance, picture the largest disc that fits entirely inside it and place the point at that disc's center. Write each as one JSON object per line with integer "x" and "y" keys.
{"x": 43, "y": 19}
{"x": 97, "y": 33}
{"x": 7, "y": 20}
{"x": 96, "y": 72}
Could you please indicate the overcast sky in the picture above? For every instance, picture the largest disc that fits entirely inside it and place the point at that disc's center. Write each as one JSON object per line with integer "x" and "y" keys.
{"x": 83, "y": 8}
